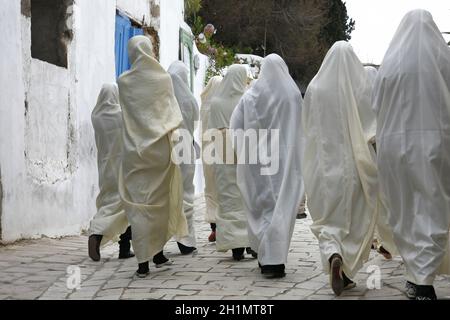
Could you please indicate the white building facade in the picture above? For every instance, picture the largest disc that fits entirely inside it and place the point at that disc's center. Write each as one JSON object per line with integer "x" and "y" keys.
{"x": 51, "y": 72}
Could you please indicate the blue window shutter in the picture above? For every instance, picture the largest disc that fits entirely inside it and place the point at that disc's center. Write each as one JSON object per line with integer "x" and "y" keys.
{"x": 124, "y": 32}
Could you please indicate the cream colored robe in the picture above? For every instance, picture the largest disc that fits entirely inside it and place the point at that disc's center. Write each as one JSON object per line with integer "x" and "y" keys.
{"x": 208, "y": 170}
{"x": 412, "y": 102}
{"x": 231, "y": 219}
{"x": 272, "y": 200}
{"x": 110, "y": 220}
{"x": 338, "y": 168}
{"x": 189, "y": 109}
{"x": 150, "y": 184}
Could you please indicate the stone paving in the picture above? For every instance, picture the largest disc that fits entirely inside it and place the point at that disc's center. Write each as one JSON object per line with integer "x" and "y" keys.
{"x": 41, "y": 269}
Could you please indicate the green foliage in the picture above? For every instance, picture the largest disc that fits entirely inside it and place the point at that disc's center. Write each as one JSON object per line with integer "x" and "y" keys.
{"x": 192, "y": 7}
{"x": 339, "y": 26}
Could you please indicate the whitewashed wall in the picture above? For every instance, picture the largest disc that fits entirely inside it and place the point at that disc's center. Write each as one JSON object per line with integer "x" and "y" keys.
{"x": 172, "y": 16}
{"x": 48, "y": 155}
{"x": 47, "y": 150}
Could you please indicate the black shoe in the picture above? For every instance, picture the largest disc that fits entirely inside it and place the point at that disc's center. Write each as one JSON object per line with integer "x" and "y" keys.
{"x": 160, "y": 260}
{"x": 348, "y": 283}
{"x": 273, "y": 271}
{"x": 185, "y": 250}
{"x": 336, "y": 274}
{"x": 143, "y": 270}
{"x": 125, "y": 245}
{"x": 301, "y": 216}
{"x": 418, "y": 292}
{"x": 94, "y": 246}
{"x": 238, "y": 254}
{"x": 126, "y": 255}
{"x": 252, "y": 253}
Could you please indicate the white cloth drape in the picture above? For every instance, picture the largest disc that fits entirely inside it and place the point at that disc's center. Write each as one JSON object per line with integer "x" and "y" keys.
{"x": 412, "y": 101}
{"x": 189, "y": 109}
{"x": 150, "y": 183}
{"x": 338, "y": 167}
{"x": 110, "y": 220}
{"x": 231, "y": 219}
{"x": 383, "y": 231}
{"x": 271, "y": 201}
{"x": 208, "y": 170}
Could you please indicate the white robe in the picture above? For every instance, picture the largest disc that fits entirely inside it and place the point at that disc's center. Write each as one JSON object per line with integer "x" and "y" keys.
{"x": 150, "y": 184}
{"x": 208, "y": 170}
{"x": 231, "y": 220}
{"x": 412, "y": 101}
{"x": 110, "y": 220}
{"x": 271, "y": 201}
{"x": 189, "y": 109}
{"x": 383, "y": 231}
{"x": 338, "y": 168}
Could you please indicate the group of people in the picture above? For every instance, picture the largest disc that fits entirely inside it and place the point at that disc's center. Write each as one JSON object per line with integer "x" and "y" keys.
{"x": 370, "y": 149}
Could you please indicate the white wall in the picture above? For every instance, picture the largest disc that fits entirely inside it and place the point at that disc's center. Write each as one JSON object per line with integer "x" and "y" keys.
{"x": 48, "y": 155}
{"x": 136, "y": 8}
{"x": 172, "y": 16}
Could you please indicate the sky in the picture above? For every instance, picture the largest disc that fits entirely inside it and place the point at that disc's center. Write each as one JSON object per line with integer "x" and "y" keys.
{"x": 377, "y": 22}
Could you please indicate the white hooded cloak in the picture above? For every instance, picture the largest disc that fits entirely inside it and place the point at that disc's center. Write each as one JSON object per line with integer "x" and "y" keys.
{"x": 231, "y": 220}
{"x": 412, "y": 102}
{"x": 338, "y": 167}
{"x": 110, "y": 220}
{"x": 208, "y": 170}
{"x": 271, "y": 201}
{"x": 150, "y": 184}
{"x": 189, "y": 109}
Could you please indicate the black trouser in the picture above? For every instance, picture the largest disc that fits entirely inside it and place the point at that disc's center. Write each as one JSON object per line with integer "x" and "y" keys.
{"x": 125, "y": 240}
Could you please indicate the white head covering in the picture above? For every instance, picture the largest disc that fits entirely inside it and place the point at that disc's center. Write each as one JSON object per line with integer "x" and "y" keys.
{"x": 227, "y": 97}
{"x": 147, "y": 89}
{"x": 274, "y": 102}
{"x": 412, "y": 101}
{"x": 338, "y": 168}
{"x": 187, "y": 102}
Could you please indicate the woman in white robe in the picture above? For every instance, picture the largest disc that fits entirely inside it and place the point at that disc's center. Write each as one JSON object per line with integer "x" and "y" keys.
{"x": 339, "y": 171}
{"x": 412, "y": 101}
{"x": 208, "y": 170}
{"x": 271, "y": 199}
{"x": 189, "y": 109}
{"x": 383, "y": 236}
{"x": 231, "y": 218}
{"x": 150, "y": 184}
{"x": 110, "y": 220}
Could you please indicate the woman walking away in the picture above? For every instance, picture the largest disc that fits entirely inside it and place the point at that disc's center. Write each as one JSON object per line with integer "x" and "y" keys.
{"x": 231, "y": 218}
{"x": 189, "y": 109}
{"x": 208, "y": 170}
{"x": 338, "y": 167}
{"x": 110, "y": 220}
{"x": 412, "y": 102}
{"x": 271, "y": 199}
{"x": 150, "y": 184}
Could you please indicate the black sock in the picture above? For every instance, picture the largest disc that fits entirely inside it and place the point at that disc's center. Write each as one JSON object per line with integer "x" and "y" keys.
{"x": 143, "y": 268}
{"x": 159, "y": 258}
{"x": 213, "y": 227}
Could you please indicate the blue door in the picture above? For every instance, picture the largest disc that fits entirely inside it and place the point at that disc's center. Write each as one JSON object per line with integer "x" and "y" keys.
{"x": 124, "y": 32}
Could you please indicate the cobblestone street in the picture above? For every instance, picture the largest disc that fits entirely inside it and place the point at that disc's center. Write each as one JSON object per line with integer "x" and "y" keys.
{"x": 38, "y": 269}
